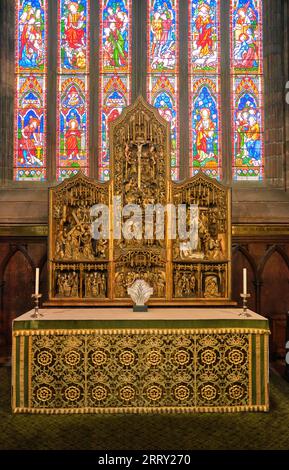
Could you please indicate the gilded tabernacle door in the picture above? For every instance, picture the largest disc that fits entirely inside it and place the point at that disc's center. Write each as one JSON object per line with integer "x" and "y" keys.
{"x": 140, "y": 225}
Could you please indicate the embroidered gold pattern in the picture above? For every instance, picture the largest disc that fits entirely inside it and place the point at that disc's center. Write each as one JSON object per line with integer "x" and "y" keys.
{"x": 140, "y": 371}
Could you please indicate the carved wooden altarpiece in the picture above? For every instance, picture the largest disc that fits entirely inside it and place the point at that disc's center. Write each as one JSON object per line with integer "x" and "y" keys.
{"x": 85, "y": 271}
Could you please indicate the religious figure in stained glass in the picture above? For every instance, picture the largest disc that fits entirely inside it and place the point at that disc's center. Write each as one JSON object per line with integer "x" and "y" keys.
{"x": 205, "y": 127}
{"x": 115, "y": 40}
{"x": 30, "y": 100}
{"x": 205, "y": 130}
{"x": 246, "y": 55}
{"x": 73, "y": 35}
{"x": 72, "y": 139}
{"x": 115, "y": 71}
{"x": 248, "y": 126}
{"x": 163, "y": 62}
{"x": 30, "y": 143}
{"x": 247, "y": 89}
{"x": 204, "y": 71}
{"x": 73, "y": 93}
{"x": 73, "y": 129}
{"x": 162, "y": 35}
{"x": 30, "y": 136}
{"x": 204, "y": 31}
{"x": 31, "y": 35}
{"x": 115, "y": 82}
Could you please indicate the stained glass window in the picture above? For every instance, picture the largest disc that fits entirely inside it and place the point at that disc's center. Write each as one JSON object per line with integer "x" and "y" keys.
{"x": 163, "y": 67}
{"x": 204, "y": 87}
{"x": 111, "y": 74}
{"x": 115, "y": 71}
{"x": 247, "y": 89}
{"x": 30, "y": 100}
{"x": 72, "y": 89}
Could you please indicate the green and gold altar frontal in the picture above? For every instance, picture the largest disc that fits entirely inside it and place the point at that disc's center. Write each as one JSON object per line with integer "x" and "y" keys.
{"x": 116, "y": 361}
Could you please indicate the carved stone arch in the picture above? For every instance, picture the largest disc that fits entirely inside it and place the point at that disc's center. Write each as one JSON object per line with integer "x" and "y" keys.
{"x": 273, "y": 249}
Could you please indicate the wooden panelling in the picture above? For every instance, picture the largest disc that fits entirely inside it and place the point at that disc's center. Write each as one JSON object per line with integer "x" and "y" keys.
{"x": 19, "y": 256}
{"x": 267, "y": 261}
{"x": 266, "y": 258}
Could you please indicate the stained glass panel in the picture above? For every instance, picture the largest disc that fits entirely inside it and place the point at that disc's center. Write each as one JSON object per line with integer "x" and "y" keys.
{"x": 163, "y": 67}
{"x": 115, "y": 71}
{"x": 115, "y": 50}
{"x": 114, "y": 98}
{"x": 30, "y": 132}
{"x": 204, "y": 92}
{"x": 248, "y": 127}
{"x": 164, "y": 96}
{"x": 63, "y": 173}
{"x": 30, "y": 99}
{"x": 72, "y": 89}
{"x": 204, "y": 36}
{"x": 206, "y": 125}
{"x": 162, "y": 36}
{"x": 247, "y": 89}
{"x": 31, "y": 36}
{"x": 72, "y": 122}
{"x": 246, "y": 24}
{"x": 73, "y": 36}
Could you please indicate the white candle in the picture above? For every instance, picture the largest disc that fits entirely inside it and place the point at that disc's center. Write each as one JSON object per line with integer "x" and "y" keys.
{"x": 37, "y": 281}
{"x": 245, "y": 281}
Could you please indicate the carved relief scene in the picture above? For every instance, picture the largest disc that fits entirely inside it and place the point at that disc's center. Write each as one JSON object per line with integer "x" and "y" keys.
{"x": 74, "y": 251}
{"x": 210, "y": 277}
{"x": 140, "y": 174}
{"x": 174, "y": 236}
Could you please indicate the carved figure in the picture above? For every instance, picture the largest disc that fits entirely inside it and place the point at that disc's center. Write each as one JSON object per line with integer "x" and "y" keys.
{"x": 82, "y": 266}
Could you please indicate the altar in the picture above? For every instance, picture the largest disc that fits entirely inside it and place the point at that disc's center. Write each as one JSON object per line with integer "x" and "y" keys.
{"x": 168, "y": 360}
{"x": 110, "y": 243}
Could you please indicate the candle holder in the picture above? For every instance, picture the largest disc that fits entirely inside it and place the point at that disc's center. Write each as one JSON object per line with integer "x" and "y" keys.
{"x": 245, "y": 298}
{"x": 36, "y": 313}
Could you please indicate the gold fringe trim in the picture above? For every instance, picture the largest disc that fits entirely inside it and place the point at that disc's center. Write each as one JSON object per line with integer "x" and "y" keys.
{"x": 266, "y": 369}
{"x": 139, "y": 331}
{"x": 30, "y": 366}
{"x": 159, "y": 410}
{"x": 250, "y": 358}
{"x": 13, "y": 388}
{"x": 258, "y": 368}
{"x": 21, "y": 371}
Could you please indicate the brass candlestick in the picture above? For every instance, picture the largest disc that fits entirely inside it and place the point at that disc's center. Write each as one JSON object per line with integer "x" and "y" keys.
{"x": 36, "y": 313}
{"x": 245, "y": 298}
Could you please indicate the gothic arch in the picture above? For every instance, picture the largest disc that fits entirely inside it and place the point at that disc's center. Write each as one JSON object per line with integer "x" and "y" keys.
{"x": 10, "y": 255}
{"x": 248, "y": 257}
{"x": 273, "y": 249}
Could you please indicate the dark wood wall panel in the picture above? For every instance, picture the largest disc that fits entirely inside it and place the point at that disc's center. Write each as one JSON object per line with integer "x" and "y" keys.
{"x": 18, "y": 259}
{"x": 266, "y": 258}
{"x": 267, "y": 262}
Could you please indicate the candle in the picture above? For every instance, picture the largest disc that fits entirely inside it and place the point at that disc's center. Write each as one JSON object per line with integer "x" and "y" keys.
{"x": 37, "y": 281}
{"x": 245, "y": 281}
